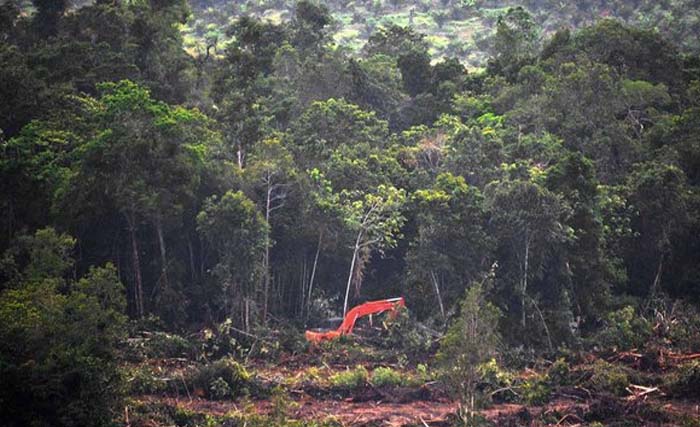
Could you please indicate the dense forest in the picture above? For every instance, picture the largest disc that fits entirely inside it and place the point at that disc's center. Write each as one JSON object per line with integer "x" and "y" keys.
{"x": 453, "y": 28}
{"x": 202, "y": 181}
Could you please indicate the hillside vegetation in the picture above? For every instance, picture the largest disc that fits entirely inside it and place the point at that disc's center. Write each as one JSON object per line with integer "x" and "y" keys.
{"x": 179, "y": 205}
{"x": 462, "y": 29}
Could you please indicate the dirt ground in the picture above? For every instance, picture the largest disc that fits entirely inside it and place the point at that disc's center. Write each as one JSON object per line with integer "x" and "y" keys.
{"x": 308, "y": 396}
{"x": 434, "y": 413}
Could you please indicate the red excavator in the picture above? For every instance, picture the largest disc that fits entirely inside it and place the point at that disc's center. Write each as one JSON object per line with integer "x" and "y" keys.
{"x": 368, "y": 308}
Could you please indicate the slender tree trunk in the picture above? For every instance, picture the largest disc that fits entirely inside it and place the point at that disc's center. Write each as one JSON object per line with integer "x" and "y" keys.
{"x": 247, "y": 315}
{"x": 240, "y": 155}
{"x": 266, "y": 257}
{"x": 10, "y": 221}
{"x": 352, "y": 269}
{"x": 202, "y": 259}
{"x": 163, "y": 254}
{"x": 525, "y": 274}
{"x": 136, "y": 264}
{"x": 302, "y": 285}
{"x": 544, "y": 323}
{"x": 437, "y": 292}
{"x": 657, "y": 277}
{"x": 313, "y": 273}
{"x": 190, "y": 250}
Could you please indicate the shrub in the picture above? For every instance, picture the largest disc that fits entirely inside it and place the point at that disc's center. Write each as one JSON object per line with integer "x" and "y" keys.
{"x": 496, "y": 382}
{"x": 219, "y": 389}
{"x": 150, "y": 345}
{"x": 350, "y": 379}
{"x": 220, "y": 342}
{"x": 226, "y": 371}
{"x": 624, "y": 329}
{"x": 163, "y": 345}
{"x": 403, "y": 334}
{"x": 143, "y": 380}
{"x": 535, "y": 390}
{"x": 559, "y": 372}
{"x": 685, "y": 381}
{"x": 494, "y": 375}
{"x": 681, "y": 324}
{"x": 606, "y": 377}
{"x": 470, "y": 341}
{"x": 387, "y": 377}
{"x": 422, "y": 375}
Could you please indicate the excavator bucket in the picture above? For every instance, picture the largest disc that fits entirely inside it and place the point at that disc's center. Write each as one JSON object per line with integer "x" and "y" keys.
{"x": 371, "y": 307}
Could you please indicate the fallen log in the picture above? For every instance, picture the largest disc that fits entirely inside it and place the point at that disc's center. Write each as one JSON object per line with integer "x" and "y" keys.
{"x": 640, "y": 392}
{"x": 683, "y": 357}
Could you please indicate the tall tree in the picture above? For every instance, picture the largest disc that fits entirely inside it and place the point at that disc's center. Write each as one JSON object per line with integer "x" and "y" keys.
{"x": 660, "y": 195}
{"x": 48, "y": 15}
{"x": 376, "y": 220}
{"x": 237, "y": 232}
{"x": 516, "y": 42}
{"x": 529, "y": 223}
{"x": 269, "y": 176}
{"x": 451, "y": 244}
{"x": 144, "y": 156}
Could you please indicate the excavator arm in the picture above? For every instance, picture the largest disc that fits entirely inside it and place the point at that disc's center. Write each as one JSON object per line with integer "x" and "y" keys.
{"x": 371, "y": 307}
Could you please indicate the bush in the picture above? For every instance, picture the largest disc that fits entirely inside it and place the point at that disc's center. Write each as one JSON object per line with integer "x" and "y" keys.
{"x": 387, "y": 377}
{"x": 404, "y": 335}
{"x": 624, "y": 329}
{"x": 421, "y": 376}
{"x": 559, "y": 373}
{"x": 535, "y": 390}
{"x": 219, "y": 389}
{"x": 151, "y": 345}
{"x": 494, "y": 378}
{"x": 220, "y": 342}
{"x": 606, "y": 377}
{"x": 143, "y": 380}
{"x": 350, "y": 379}
{"x": 685, "y": 382}
{"x": 681, "y": 325}
{"x": 470, "y": 341}
{"x": 494, "y": 375}
{"x": 163, "y": 345}
{"x": 215, "y": 377}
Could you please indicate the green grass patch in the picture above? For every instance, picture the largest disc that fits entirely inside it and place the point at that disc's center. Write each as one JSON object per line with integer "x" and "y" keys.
{"x": 382, "y": 377}
{"x": 350, "y": 379}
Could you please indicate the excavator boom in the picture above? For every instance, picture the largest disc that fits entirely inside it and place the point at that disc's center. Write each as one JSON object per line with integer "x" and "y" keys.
{"x": 371, "y": 307}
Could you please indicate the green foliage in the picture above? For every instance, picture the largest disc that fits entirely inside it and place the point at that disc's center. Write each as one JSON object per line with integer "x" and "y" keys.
{"x": 144, "y": 379}
{"x": 568, "y": 172}
{"x": 516, "y": 41}
{"x": 492, "y": 374}
{"x": 237, "y": 231}
{"x": 223, "y": 378}
{"x": 350, "y": 379}
{"x": 470, "y": 341}
{"x": 451, "y": 239}
{"x": 246, "y": 416}
{"x": 682, "y": 326}
{"x": 382, "y": 376}
{"x": 403, "y": 333}
{"x": 59, "y": 339}
{"x": 624, "y": 329}
{"x": 535, "y": 390}
{"x": 685, "y": 381}
{"x": 161, "y": 345}
{"x": 607, "y": 378}
{"x": 559, "y": 373}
